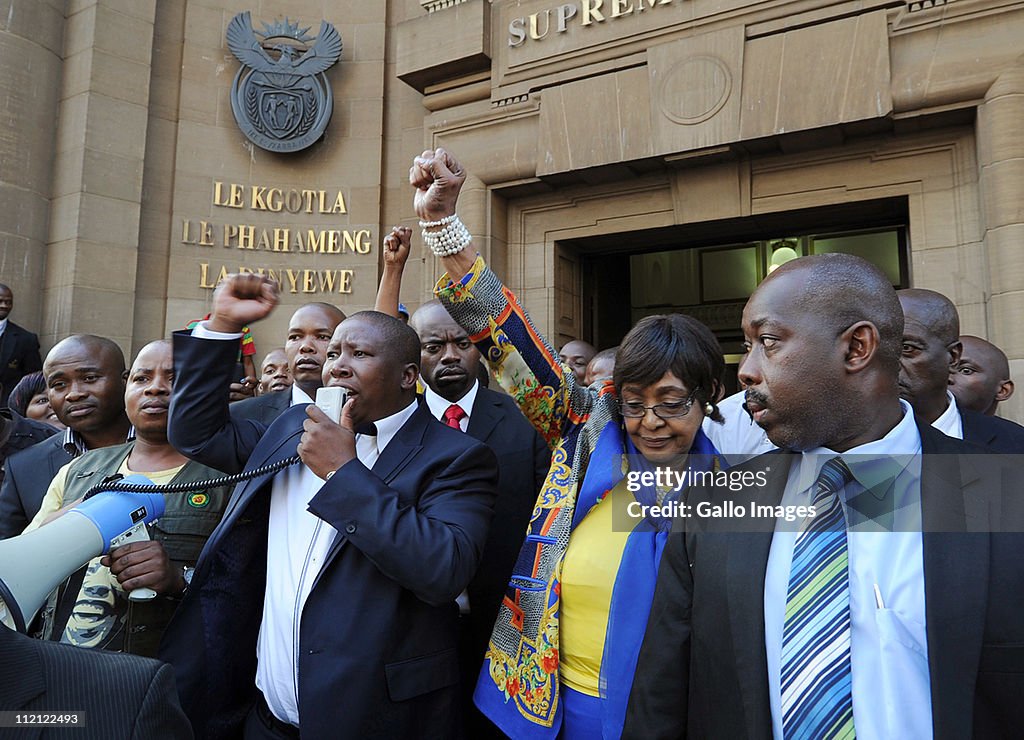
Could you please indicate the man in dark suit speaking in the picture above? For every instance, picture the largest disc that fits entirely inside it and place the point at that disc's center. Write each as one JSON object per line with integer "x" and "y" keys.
{"x": 831, "y": 623}
{"x": 325, "y": 600}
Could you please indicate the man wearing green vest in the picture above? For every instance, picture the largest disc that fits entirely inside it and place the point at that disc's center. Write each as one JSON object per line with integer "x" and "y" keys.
{"x": 91, "y": 608}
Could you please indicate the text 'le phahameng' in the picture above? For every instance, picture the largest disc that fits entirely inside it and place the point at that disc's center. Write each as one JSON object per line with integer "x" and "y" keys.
{"x": 279, "y": 238}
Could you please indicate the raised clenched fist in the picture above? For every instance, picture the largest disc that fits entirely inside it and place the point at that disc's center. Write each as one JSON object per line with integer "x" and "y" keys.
{"x": 241, "y": 299}
{"x": 396, "y": 246}
{"x": 438, "y": 178}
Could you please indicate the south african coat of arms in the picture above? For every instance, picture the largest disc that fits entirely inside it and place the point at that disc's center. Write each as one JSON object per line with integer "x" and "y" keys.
{"x": 280, "y": 96}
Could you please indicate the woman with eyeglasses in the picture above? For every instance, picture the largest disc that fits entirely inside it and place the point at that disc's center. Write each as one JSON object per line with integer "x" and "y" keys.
{"x": 561, "y": 658}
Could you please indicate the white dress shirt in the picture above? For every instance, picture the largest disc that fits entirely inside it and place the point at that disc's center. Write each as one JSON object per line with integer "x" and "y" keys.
{"x": 438, "y": 405}
{"x": 3, "y": 326}
{"x": 738, "y": 438}
{"x": 949, "y": 421}
{"x": 299, "y": 396}
{"x": 297, "y": 545}
{"x": 889, "y": 647}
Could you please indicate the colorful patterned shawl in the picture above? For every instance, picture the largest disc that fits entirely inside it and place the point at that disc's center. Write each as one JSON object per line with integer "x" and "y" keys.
{"x": 518, "y": 687}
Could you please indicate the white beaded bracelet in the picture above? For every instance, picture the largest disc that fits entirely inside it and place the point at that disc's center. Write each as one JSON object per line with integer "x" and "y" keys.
{"x": 451, "y": 239}
{"x": 443, "y": 222}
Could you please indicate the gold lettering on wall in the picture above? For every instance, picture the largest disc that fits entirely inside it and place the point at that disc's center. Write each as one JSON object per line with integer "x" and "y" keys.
{"x": 291, "y": 280}
{"x": 276, "y": 238}
{"x": 535, "y": 26}
{"x": 279, "y": 238}
{"x": 277, "y": 200}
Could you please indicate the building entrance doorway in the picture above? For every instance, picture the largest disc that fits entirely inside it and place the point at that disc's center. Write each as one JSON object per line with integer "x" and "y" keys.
{"x": 709, "y": 270}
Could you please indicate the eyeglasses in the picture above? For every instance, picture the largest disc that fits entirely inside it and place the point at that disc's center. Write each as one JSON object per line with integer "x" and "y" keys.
{"x": 669, "y": 410}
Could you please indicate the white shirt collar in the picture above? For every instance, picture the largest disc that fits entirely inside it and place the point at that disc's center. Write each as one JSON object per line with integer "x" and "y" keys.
{"x": 438, "y": 405}
{"x": 3, "y": 325}
{"x": 949, "y": 420}
{"x": 901, "y": 445}
{"x": 388, "y": 427}
{"x": 299, "y": 395}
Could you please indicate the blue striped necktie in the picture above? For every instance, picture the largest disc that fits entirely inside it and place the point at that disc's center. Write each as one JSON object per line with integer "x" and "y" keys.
{"x": 817, "y": 697}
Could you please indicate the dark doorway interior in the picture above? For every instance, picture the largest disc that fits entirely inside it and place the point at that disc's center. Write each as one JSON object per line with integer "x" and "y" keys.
{"x": 708, "y": 270}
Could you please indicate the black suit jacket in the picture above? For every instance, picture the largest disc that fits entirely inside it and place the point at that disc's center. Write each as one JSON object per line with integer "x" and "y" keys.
{"x": 27, "y": 475}
{"x": 122, "y": 696}
{"x": 992, "y": 432}
{"x": 523, "y": 462}
{"x": 19, "y": 356}
{"x": 18, "y": 433}
{"x": 378, "y": 637}
{"x": 703, "y": 672}
{"x": 263, "y": 409}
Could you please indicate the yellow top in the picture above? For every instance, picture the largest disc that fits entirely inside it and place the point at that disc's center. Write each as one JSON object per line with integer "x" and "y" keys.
{"x": 588, "y": 576}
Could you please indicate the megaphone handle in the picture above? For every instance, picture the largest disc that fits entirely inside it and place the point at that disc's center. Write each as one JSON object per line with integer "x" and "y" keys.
{"x": 138, "y": 533}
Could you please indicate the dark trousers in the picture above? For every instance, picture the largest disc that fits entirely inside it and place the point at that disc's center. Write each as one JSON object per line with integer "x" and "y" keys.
{"x": 261, "y": 724}
{"x": 471, "y": 657}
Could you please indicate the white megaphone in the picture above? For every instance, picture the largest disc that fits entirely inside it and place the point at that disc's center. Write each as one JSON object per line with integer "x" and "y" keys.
{"x": 33, "y": 564}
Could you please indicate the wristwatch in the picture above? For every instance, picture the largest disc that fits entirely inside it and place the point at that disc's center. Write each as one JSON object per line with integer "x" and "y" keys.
{"x": 187, "y": 571}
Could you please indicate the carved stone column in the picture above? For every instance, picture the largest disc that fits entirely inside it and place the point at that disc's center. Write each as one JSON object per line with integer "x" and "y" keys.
{"x": 92, "y": 254}
{"x": 1001, "y": 160}
{"x": 31, "y": 33}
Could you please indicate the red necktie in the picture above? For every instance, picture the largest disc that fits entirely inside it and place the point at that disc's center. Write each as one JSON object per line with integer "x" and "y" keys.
{"x": 453, "y": 415}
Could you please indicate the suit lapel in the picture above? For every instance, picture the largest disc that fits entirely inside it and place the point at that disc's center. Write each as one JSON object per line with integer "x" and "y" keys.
{"x": 746, "y": 565}
{"x": 975, "y": 430}
{"x": 486, "y": 415}
{"x": 955, "y": 579}
{"x": 400, "y": 451}
{"x": 243, "y": 493}
{"x": 277, "y": 406}
{"x": 404, "y": 445}
{"x": 7, "y": 342}
{"x": 60, "y": 457}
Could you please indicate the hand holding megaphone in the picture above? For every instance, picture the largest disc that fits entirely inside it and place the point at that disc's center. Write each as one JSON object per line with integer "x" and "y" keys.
{"x": 35, "y": 563}
{"x": 144, "y": 565}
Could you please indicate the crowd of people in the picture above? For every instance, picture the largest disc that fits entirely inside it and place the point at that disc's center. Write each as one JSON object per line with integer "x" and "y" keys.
{"x": 447, "y": 560}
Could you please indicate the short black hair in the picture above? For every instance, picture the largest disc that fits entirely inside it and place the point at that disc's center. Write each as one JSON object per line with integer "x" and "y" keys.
{"x": 98, "y": 346}
{"x": 841, "y": 289}
{"x": 160, "y": 342}
{"x": 673, "y": 343}
{"x": 935, "y": 311}
{"x": 28, "y": 387}
{"x": 401, "y": 343}
{"x": 330, "y": 308}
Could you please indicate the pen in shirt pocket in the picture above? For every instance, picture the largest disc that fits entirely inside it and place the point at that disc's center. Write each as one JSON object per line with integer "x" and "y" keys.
{"x": 878, "y": 598}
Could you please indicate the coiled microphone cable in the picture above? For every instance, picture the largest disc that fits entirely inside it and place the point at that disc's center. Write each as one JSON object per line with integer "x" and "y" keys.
{"x": 112, "y": 484}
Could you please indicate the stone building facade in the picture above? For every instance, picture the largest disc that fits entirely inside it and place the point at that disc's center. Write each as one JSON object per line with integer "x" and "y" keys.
{"x": 626, "y": 156}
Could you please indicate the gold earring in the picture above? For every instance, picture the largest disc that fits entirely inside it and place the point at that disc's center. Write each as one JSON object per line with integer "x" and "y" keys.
{"x": 709, "y": 409}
